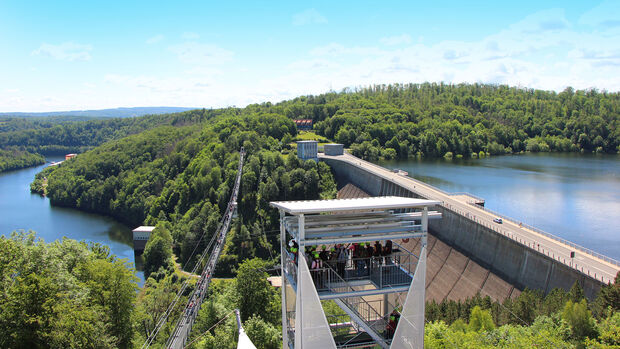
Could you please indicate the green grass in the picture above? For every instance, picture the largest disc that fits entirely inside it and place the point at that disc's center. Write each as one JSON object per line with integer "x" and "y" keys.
{"x": 311, "y": 136}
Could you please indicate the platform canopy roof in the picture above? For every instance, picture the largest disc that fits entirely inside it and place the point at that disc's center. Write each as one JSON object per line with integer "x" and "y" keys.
{"x": 347, "y": 205}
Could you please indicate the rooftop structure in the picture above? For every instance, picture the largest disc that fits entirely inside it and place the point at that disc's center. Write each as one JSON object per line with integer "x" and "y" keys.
{"x": 308, "y": 150}
{"x": 334, "y": 149}
{"x": 303, "y": 124}
{"x": 140, "y": 236}
{"x": 358, "y": 281}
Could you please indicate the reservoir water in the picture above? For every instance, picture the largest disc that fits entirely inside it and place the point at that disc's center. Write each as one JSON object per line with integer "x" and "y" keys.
{"x": 21, "y": 210}
{"x": 573, "y": 196}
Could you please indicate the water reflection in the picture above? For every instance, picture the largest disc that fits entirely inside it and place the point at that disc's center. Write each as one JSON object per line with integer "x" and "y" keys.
{"x": 21, "y": 210}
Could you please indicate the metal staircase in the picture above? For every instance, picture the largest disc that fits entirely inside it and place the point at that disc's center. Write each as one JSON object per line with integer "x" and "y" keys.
{"x": 360, "y": 310}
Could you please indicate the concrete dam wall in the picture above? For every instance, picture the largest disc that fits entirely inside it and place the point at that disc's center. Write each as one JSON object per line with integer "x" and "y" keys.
{"x": 465, "y": 256}
{"x": 450, "y": 274}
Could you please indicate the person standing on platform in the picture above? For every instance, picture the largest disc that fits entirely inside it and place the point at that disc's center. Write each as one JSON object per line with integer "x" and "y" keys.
{"x": 364, "y": 258}
{"x": 341, "y": 259}
{"x": 316, "y": 268}
{"x": 369, "y": 253}
{"x": 356, "y": 252}
{"x": 387, "y": 250}
{"x": 392, "y": 323}
{"x": 324, "y": 254}
{"x": 294, "y": 249}
{"x": 378, "y": 249}
{"x": 332, "y": 257}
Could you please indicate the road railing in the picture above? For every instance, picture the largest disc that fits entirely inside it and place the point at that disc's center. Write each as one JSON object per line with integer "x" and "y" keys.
{"x": 569, "y": 262}
{"x": 554, "y": 237}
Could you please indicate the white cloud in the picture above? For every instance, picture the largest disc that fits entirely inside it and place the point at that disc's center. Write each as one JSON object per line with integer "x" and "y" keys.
{"x": 335, "y": 50}
{"x": 67, "y": 51}
{"x": 543, "y": 50}
{"x": 190, "y": 36}
{"x": 396, "y": 40}
{"x": 605, "y": 15}
{"x": 155, "y": 39}
{"x": 201, "y": 54}
{"x": 309, "y": 16}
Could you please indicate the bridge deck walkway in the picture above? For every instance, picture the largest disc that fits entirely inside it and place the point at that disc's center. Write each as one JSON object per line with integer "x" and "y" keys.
{"x": 181, "y": 333}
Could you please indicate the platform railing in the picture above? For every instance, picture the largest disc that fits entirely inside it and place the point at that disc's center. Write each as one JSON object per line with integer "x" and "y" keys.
{"x": 358, "y": 305}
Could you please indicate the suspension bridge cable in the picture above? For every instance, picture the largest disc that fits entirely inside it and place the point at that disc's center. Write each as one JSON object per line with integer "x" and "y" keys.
{"x": 207, "y": 331}
{"x": 225, "y": 218}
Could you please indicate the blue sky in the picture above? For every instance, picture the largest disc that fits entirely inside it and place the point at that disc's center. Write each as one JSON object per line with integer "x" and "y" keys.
{"x": 68, "y": 55}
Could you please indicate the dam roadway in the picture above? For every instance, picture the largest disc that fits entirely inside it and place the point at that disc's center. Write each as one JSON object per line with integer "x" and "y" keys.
{"x": 589, "y": 263}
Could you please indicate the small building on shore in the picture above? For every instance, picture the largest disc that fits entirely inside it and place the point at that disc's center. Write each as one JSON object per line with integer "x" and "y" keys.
{"x": 70, "y": 156}
{"x": 140, "y": 236}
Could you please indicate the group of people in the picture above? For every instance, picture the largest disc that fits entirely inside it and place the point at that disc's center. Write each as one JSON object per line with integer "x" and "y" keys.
{"x": 337, "y": 256}
{"x": 363, "y": 252}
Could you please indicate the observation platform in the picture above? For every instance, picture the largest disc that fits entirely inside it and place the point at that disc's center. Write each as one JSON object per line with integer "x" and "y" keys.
{"x": 361, "y": 276}
{"x": 357, "y": 278}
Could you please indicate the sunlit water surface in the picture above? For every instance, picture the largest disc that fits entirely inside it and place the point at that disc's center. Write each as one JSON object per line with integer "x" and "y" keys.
{"x": 573, "y": 196}
{"x": 21, "y": 210}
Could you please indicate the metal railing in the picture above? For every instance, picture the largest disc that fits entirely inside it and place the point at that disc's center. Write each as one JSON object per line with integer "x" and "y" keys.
{"x": 534, "y": 245}
{"x": 392, "y": 270}
{"x": 327, "y": 279}
{"x": 358, "y": 305}
{"x": 476, "y": 197}
{"x": 555, "y": 237}
{"x": 290, "y": 266}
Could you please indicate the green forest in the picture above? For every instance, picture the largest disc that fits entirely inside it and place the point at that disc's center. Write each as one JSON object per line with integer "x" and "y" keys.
{"x": 176, "y": 172}
{"x": 179, "y": 177}
{"x": 436, "y": 120}
{"x": 389, "y": 121}
{"x": 64, "y": 294}
{"x": 24, "y": 139}
{"x": 13, "y": 158}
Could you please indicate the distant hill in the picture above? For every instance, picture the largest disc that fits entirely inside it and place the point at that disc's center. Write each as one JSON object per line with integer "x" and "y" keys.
{"x": 115, "y": 113}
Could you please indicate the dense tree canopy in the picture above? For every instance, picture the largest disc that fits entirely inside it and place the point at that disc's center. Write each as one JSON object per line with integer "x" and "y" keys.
{"x": 60, "y": 135}
{"x": 158, "y": 251}
{"x": 65, "y": 294}
{"x": 177, "y": 172}
{"x": 433, "y": 119}
{"x": 12, "y": 158}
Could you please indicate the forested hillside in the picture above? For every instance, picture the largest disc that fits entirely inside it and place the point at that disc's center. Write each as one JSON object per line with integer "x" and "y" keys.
{"x": 180, "y": 178}
{"x": 60, "y": 135}
{"x": 429, "y": 120}
{"x": 65, "y": 294}
{"x": 12, "y": 158}
{"x": 177, "y": 172}
{"x": 433, "y": 120}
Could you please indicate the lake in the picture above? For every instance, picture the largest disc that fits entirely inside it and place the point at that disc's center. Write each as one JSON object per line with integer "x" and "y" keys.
{"x": 573, "y": 196}
{"x": 21, "y": 210}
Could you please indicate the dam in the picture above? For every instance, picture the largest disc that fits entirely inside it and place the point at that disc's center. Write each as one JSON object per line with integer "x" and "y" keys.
{"x": 470, "y": 251}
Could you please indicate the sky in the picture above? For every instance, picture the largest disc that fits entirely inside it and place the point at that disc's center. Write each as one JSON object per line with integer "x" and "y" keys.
{"x": 75, "y": 55}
